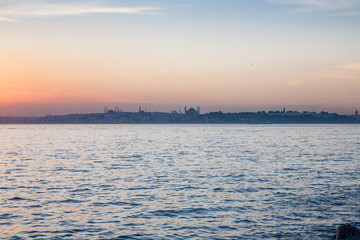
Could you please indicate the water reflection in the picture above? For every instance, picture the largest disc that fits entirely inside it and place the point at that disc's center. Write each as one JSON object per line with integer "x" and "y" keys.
{"x": 177, "y": 181}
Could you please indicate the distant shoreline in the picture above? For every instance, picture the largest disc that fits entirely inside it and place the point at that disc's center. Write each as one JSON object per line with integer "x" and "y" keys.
{"x": 191, "y": 116}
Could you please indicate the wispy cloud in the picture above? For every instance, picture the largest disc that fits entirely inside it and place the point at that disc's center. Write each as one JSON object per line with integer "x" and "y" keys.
{"x": 5, "y": 19}
{"x": 12, "y": 11}
{"x": 351, "y": 66}
{"x": 349, "y": 71}
{"x": 332, "y": 7}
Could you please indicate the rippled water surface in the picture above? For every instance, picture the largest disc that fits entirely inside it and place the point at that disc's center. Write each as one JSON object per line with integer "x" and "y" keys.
{"x": 178, "y": 181}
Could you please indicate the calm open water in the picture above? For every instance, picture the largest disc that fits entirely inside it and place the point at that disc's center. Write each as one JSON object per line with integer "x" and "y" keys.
{"x": 178, "y": 181}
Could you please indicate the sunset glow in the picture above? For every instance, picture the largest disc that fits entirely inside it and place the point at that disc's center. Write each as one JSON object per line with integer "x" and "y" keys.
{"x": 237, "y": 55}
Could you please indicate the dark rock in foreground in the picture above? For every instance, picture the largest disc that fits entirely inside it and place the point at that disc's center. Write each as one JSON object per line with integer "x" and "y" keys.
{"x": 347, "y": 232}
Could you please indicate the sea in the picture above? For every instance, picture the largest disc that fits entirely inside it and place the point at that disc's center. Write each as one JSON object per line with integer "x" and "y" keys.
{"x": 178, "y": 181}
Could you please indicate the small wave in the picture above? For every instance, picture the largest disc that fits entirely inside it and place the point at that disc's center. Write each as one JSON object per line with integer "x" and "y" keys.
{"x": 59, "y": 169}
{"x": 55, "y": 188}
{"x": 187, "y": 188}
{"x": 289, "y": 169}
{"x": 226, "y": 227}
{"x": 72, "y": 201}
{"x": 118, "y": 203}
{"x": 17, "y": 199}
{"x": 7, "y": 216}
{"x": 12, "y": 153}
{"x": 174, "y": 213}
{"x": 133, "y": 236}
{"x": 16, "y": 238}
{"x": 165, "y": 213}
{"x": 81, "y": 190}
{"x": 246, "y": 190}
{"x": 66, "y": 201}
{"x": 129, "y": 156}
{"x": 140, "y": 188}
{"x": 227, "y": 209}
{"x": 68, "y": 231}
{"x": 105, "y": 186}
{"x": 35, "y": 206}
{"x": 29, "y": 187}
{"x": 98, "y": 161}
{"x": 79, "y": 170}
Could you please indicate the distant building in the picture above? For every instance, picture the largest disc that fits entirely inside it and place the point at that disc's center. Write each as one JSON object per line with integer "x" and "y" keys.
{"x": 356, "y": 113}
{"x": 192, "y": 111}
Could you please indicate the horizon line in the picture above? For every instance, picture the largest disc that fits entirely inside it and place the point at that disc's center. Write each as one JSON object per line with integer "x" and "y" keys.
{"x": 119, "y": 110}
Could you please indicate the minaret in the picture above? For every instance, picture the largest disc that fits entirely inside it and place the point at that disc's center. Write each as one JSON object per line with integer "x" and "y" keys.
{"x": 185, "y": 110}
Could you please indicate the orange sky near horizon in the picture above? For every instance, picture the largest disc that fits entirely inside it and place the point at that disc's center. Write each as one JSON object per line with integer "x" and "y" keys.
{"x": 183, "y": 57}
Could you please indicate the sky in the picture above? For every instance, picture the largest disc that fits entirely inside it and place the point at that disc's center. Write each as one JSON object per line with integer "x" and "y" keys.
{"x": 60, "y": 57}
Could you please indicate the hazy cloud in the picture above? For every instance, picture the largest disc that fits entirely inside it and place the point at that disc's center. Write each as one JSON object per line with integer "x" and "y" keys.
{"x": 4, "y": 19}
{"x": 333, "y": 7}
{"x": 351, "y": 66}
{"x": 349, "y": 71}
{"x": 12, "y": 11}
